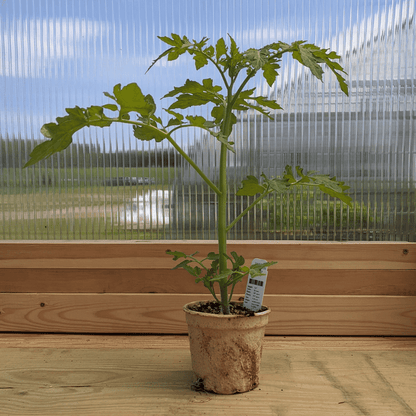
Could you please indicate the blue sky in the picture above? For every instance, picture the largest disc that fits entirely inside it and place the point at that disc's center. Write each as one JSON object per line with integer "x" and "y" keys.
{"x": 58, "y": 53}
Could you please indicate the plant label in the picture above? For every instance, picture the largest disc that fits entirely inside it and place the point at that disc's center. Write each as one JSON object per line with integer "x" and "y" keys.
{"x": 253, "y": 298}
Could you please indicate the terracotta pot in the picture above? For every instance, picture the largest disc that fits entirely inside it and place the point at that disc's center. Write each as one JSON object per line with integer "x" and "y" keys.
{"x": 226, "y": 349}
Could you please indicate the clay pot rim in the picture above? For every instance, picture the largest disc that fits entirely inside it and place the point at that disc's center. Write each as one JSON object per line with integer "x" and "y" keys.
{"x": 218, "y": 316}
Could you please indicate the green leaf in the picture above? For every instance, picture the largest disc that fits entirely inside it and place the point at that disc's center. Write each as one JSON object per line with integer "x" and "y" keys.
{"x": 325, "y": 183}
{"x": 210, "y": 51}
{"x": 238, "y": 260}
{"x": 199, "y": 121}
{"x": 194, "y": 87}
{"x": 178, "y": 116}
{"x": 193, "y": 93}
{"x": 269, "y": 72}
{"x": 255, "y": 269}
{"x": 200, "y": 60}
{"x": 220, "y": 48}
{"x": 149, "y": 132}
{"x": 213, "y": 256}
{"x": 267, "y": 103}
{"x": 234, "y": 51}
{"x": 225, "y": 274}
{"x": 62, "y": 131}
{"x": 276, "y": 184}
{"x": 111, "y": 107}
{"x": 288, "y": 174}
{"x": 250, "y": 187}
{"x": 218, "y": 113}
{"x": 169, "y": 41}
{"x": 190, "y": 100}
{"x": 256, "y": 57}
{"x": 307, "y": 58}
{"x": 130, "y": 98}
{"x": 182, "y": 264}
{"x": 176, "y": 254}
{"x": 259, "y": 109}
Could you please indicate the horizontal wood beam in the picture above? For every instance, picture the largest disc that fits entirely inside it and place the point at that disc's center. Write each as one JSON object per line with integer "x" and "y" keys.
{"x": 162, "y": 313}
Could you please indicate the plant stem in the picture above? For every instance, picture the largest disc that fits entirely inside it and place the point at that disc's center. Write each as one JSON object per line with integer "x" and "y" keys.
{"x": 241, "y": 215}
{"x": 180, "y": 151}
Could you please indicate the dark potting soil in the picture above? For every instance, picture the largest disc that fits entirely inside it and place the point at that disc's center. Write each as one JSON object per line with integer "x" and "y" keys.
{"x": 215, "y": 308}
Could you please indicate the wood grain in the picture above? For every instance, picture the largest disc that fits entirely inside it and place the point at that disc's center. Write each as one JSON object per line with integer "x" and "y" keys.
{"x": 162, "y": 342}
{"x": 292, "y": 281}
{"x": 304, "y": 268}
{"x": 162, "y": 313}
{"x": 125, "y": 382}
{"x": 273, "y": 250}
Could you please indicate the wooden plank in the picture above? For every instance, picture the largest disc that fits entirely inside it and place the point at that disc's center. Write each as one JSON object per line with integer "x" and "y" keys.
{"x": 307, "y": 268}
{"x": 272, "y": 250}
{"x": 157, "y": 382}
{"x": 280, "y": 281}
{"x": 162, "y": 342}
{"x": 162, "y": 313}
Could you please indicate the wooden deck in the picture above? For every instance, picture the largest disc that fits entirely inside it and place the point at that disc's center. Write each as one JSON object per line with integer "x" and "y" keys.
{"x": 46, "y": 374}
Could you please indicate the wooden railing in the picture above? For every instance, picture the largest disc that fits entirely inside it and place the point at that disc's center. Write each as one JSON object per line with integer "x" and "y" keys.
{"x": 317, "y": 288}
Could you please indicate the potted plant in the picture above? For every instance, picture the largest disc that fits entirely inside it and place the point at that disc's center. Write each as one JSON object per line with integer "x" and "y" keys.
{"x": 226, "y": 338}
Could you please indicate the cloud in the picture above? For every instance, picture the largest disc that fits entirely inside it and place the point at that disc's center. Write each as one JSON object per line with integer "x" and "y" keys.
{"x": 34, "y": 47}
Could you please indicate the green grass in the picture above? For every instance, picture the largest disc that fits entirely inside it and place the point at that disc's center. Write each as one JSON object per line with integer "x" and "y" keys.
{"x": 73, "y": 229}
{"x": 13, "y": 180}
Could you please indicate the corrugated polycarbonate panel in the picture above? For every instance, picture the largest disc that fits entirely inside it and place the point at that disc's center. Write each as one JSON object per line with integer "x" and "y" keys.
{"x": 108, "y": 185}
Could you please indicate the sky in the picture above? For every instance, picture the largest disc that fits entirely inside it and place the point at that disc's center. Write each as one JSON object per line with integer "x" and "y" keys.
{"x": 56, "y": 54}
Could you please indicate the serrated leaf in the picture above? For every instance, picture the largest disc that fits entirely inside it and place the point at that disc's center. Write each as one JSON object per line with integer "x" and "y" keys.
{"x": 250, "y": 187}
{"x": 168, "y": 40}
{"x": 200, "y": 61}
{"x": 173, "y": 122}
{"x": 238, "y": 260}
{"x": 130, "y": 98}
{"x": 256, "y": 269}
{"x": 210, "y": 51}
{"x": 149, "y": 132}
{"x": 194, "y": 94}
{"x": 288, "y": 174}
{"x": 197, "y": 121}
{"x": 234, "y": 51}
{"x": 213, "y": 256}
{"x": 220, "y": 48}
{"x": 267, "y": 103}
{"x": 176, "y": 254}
{"x": 65, "y": 127}
{"x": 257, "y": 108}
{"x": 256, "y": 57}
{"x": 307, "y": 58}
{"x": 179, "y": 116}
{"x": 194, "y": 87}
{"x": 181, "y": 264}
{"x": 340, "y": 195}
{"x": 276, "y": 184}
{"x": 190, "y": 100}
{"x": 270, "y": 73}
{"x": 218, "y": 113}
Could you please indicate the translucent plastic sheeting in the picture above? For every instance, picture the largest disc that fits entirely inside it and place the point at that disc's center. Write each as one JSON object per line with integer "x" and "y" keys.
{"x": 107, "y": 185}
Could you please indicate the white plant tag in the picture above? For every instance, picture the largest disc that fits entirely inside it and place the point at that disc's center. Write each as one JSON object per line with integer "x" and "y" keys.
{"x": 253, "y": 298}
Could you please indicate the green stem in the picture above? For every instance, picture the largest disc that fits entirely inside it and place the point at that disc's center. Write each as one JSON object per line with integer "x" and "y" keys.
{"x": 248, "y": 209}
{"x": 195, "y": 166}
{"x": 180, "y": 151}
